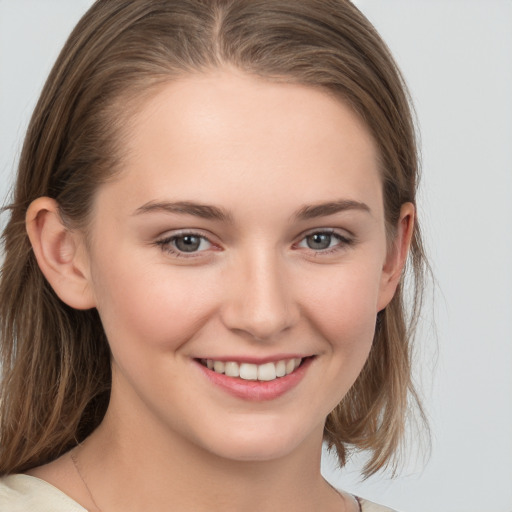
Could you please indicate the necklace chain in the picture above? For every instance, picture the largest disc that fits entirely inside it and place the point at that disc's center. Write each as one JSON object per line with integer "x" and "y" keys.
{"x": 77, "y": 467}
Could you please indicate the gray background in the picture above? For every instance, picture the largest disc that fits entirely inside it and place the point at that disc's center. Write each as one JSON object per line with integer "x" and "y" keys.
{"x": 457, "y": 58}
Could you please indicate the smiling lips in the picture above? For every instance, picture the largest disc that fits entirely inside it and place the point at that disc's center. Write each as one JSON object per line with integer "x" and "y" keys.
{"x": 248, "y": 371}
{"x": 256, "y": 382}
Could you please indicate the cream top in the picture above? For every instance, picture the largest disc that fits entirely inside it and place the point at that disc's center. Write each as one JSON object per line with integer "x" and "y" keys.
{"x": 24, "y": 493}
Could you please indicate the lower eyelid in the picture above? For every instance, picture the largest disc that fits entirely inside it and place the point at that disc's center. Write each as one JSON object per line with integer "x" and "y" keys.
{"x": 166, "y": 244}
{"x": 342, "y": 239}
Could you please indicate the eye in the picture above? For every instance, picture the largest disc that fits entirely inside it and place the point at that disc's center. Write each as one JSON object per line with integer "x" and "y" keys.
{"x": 191, "y": 243}
{"x": 186, "y": 243}
{"x": 323, "y": 241}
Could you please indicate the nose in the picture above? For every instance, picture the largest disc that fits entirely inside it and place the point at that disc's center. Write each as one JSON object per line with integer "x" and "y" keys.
{"x": 260, "y": 302}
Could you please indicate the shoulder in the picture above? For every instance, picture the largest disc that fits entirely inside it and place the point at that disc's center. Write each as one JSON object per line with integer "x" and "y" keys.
{"x": 368, "y": 506}
{"x": 24, "y": 493}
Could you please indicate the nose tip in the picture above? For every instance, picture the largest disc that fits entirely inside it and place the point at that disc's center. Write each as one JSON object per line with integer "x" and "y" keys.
{"x": 261, "y": 323}
{"x": 260, "y": 305}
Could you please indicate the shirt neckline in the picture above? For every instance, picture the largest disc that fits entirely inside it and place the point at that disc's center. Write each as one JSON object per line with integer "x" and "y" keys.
{"x": 29, "y": 482}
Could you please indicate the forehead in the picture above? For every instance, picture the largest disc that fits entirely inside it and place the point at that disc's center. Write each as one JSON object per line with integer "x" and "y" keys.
{"x": 230, "y": 134}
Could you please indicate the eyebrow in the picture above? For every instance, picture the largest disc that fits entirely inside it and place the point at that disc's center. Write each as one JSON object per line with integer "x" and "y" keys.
{"x": 330, "y": 208}
{"x": 203, "y": 211}
{"x": 210, "y": 212}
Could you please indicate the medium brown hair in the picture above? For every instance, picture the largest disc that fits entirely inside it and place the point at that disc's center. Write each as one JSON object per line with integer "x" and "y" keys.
{"x": 56, "y": 360}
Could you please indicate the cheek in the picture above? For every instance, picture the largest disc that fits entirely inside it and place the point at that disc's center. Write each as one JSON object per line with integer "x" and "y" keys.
{"x": 152, "y": 309}
{"x": 344, "y": 309}
{"x": 343, "y": 313}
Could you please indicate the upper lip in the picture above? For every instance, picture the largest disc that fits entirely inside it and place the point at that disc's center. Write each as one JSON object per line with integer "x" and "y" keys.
{"x": 256, "y": 360}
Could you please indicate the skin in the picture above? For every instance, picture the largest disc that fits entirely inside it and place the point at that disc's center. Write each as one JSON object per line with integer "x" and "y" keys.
{"x": 261, "y": 152}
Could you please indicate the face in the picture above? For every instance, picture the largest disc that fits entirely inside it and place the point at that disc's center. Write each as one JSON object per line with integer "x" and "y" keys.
{"x": 238, "y": 263}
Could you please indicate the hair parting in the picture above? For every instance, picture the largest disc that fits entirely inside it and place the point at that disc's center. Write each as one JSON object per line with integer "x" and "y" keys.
{"x": 56, "y": 361}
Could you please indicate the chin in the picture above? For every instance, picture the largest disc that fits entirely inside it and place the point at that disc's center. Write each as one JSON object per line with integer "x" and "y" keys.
{"x": 259, "y": 442}
{"x": 263, "y": 451}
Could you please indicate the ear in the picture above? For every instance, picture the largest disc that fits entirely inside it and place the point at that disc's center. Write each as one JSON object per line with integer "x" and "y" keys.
{"x": 60, "y": 253}
{"x": 397, "y": 256}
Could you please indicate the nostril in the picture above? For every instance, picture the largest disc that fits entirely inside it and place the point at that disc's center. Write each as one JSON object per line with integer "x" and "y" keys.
{"x": 259, "y": 303}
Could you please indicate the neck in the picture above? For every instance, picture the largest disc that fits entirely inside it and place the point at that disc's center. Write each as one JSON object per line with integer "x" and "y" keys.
{"x": 138, "y": 465}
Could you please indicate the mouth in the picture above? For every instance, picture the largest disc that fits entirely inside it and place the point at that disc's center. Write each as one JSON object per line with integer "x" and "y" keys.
{"x": 265, "y": 372}
{"x": 255, "y": 382}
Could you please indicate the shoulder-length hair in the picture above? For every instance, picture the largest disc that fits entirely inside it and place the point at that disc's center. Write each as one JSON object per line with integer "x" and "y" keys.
{"x": 56, "y": 360}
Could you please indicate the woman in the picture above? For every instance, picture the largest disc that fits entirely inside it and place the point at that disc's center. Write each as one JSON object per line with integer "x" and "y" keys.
{"x": 203, "y": 265}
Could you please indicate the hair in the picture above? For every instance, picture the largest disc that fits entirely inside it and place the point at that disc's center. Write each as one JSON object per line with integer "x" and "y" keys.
{"x": 56, "y": 360}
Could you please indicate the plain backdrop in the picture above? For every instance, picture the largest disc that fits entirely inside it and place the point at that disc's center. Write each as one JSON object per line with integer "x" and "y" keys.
{"x": 457, "y": 58}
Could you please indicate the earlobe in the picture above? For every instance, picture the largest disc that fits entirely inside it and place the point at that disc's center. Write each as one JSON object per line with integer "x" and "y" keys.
{"x": 397, "y": 256}
{"x": 59, "y": 253}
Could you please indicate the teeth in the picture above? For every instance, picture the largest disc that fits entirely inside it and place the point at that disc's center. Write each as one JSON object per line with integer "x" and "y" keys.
{"x": 280, "y": 368}
{"x": 232, "y": 369}
{"x": 267, "y": 371}
{"x": 219, "y": 366}
{"x": 248, "y": 371}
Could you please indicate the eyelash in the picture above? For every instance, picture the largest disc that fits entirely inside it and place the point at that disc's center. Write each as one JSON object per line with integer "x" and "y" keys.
{"x": 166, "y": 244}
{"x": 343, "y": 241}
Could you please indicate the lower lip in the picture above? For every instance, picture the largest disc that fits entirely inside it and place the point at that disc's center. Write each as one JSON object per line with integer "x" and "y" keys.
{"x": 256, "y": 390}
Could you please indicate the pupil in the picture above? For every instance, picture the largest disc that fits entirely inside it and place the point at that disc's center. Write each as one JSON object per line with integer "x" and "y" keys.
{"x": 319, "y": 241}
{"x": 188, "y": 243}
